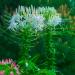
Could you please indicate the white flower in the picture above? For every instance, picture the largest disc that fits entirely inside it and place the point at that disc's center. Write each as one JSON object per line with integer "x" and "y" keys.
{"x": 38, "y": 22}
{"x": 55, "y": 20}
{"x": 14, "y": 21}
{"x": 22, "y": 9}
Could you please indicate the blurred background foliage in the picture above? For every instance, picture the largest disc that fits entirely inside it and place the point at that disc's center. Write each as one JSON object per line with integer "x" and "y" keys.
{"x": 36, "y": 3}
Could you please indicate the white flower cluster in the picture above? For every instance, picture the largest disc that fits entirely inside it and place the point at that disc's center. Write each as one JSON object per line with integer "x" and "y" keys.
{"x": 55, "y": 20}
{"x": 34, "y": 17}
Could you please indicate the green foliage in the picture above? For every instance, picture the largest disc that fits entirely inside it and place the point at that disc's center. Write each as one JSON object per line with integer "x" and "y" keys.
{"x": 32, "y": 63}
{"x": 57, "y": 54}
{"x": 5, "y": 19}
{"x": 46, "y": 72}
{"x": 8, "y": 40}
{"x": 49, "y": 47}
{"x": 64, "y": 43}
{"x": 26, "y": 36}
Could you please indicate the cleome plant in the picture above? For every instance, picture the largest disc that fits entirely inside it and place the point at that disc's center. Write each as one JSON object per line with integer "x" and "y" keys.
{"x": 8, "y": 67}
{"x": 37, "y": 37}
{"x": 33, "y": 28}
